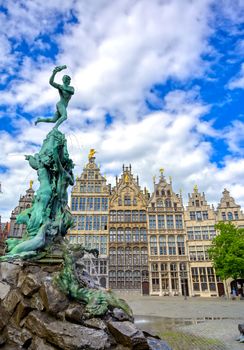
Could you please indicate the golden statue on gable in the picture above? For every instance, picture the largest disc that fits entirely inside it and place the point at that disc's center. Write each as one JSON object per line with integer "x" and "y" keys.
{"x": 126, "y": 178}
{"x": 91, "y": 153}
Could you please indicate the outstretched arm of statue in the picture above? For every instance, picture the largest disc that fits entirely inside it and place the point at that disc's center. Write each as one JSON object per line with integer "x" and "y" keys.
{"x": 32, "y": 161}
{"x": 51, "y": 80}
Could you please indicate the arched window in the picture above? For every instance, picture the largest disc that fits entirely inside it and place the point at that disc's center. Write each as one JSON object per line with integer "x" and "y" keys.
{"x": 121, "y": 256}
{"x": 120, "y": 215}
{"x": 112, "y": 256}
{"x": 112, "y": 215}
{"x": 120, "y": 235}
{"x": 162, "y": 245}
{"x": 135, "y": 234}
{"x": 153, "y": 245}
{"x": 112, "y": 279}
{"x": 135, "y": 216}
{"x": 137, "y": 279}
{"x": 128, "y": 234}
{"x": 128, "y": 279}
{"x": 127, "y": 200}
{"x": 112, "y": 234}
{"x": 128, "y": 256}
{"x": 127, "y": 216}
{"x": 143, "y": 234}
{"x": 136, "y": 256}
{"x": 144, "y": 253}
{"x": 171, "y": 245}
{"x": 181, "y": 245}
{"x": 230, "y": 216}
{"x": 120, "y": 279}
{"x": 167, "y": 203}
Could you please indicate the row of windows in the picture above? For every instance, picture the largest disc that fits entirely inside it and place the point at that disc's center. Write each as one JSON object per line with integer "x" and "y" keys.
{"x": 127, "y": 200}
{"x": 100, "y": 266}
{"x": 98, "y": 242}
{"x": 170, "y": 246}
{"x": 165, "y": 221}
{"x": 203, "y": 279}
{"x": 127, "y": 279}
{"x": 201, "y": 232}
{"x": 199, "y": 253}
{"x": 90, "y": 174}
{"x": 128, "y": 216}
{"x": 90, "y": 222}
{"x": 89, "y": 203}
{"x": 170, "y": 275}
{"x": 90, "y": 187}
{"x": 157, "y": 267}
{"x": 128, "y": 235}
{"x": 230, "y": 216}
{"x": 128, "y": 256}
{"x": 199, "y": 215}
{"x": 165, "y": 204}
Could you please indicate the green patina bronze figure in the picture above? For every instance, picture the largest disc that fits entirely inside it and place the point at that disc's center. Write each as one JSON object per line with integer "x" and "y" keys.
{"x": 76, "y": 285}
{"x": 65, "y": 92}
{"x": 48, "y": 219}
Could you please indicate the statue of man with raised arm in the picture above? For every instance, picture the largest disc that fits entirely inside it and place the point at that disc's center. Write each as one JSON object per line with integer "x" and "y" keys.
{"x": 65, "y": 93}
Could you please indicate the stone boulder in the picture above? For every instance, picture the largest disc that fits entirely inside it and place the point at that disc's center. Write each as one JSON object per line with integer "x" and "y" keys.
{"x": 36, "y": 315}
{"x": 64, "y": 334}
{"x": 127, "y": 334}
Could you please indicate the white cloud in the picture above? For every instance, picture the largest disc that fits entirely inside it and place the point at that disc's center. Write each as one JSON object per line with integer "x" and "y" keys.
{"x": 115, "y": 53}
{"x": 237, "y": 81}
{"x": 233, "y": 135}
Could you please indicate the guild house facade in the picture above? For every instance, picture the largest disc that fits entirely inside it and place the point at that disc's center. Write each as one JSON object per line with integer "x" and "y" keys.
{"x": 89, "y": 207}
{"x": 128, "y": 241}
{"x": 148, "y": 243}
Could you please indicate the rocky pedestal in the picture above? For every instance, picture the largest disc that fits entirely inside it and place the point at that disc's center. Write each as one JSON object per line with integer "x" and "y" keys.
{"x": 36, "y": 315}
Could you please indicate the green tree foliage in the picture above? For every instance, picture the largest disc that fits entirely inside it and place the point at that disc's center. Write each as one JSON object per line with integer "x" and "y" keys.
{"x": 227, "y": 251}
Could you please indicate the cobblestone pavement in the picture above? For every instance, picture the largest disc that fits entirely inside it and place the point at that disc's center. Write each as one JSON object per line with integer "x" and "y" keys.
{"x": 192, "y": 324}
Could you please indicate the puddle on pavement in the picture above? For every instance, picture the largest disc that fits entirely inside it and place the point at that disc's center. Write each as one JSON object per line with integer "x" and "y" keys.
{"x": 155, "y": 325}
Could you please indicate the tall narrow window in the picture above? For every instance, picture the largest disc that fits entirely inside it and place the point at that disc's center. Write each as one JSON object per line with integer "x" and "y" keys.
{"x": 171, "y": 245}
{"x": 152, "y": 222}
{"x": 127, "y": 216}
{"x": 112, "y": 215}
{"x": 127, "y": 200}
{"x": 170, "y": 221}
{"x": 178, "y": 221}
{"x": 162, "y": 245}
{"x": 230, "y": 216}
{"x": 180, "y": 245}
{"x": 153, "y": 245}
{"x": 161, "y": 223}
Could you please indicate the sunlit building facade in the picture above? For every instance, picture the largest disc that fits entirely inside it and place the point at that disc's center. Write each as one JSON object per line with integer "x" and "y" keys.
{"x": 200, "y": 219}
{"x": 89, "y": 207}
{"x": 128, "y": 242}
{"x": 167, "y": 254}
{"x": 25, "y": 202}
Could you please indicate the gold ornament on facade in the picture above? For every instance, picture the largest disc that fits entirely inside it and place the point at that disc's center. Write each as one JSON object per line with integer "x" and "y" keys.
{"x": 91, "y": 153}
{"x": 31, "y": 184}
{"x": 195, "y": 188}
{"x": 161, "y": 171}
{"x": 126, "y": 178}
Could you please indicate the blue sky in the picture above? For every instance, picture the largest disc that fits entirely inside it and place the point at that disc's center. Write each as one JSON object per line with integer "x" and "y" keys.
{"x": 157, "y": 84}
